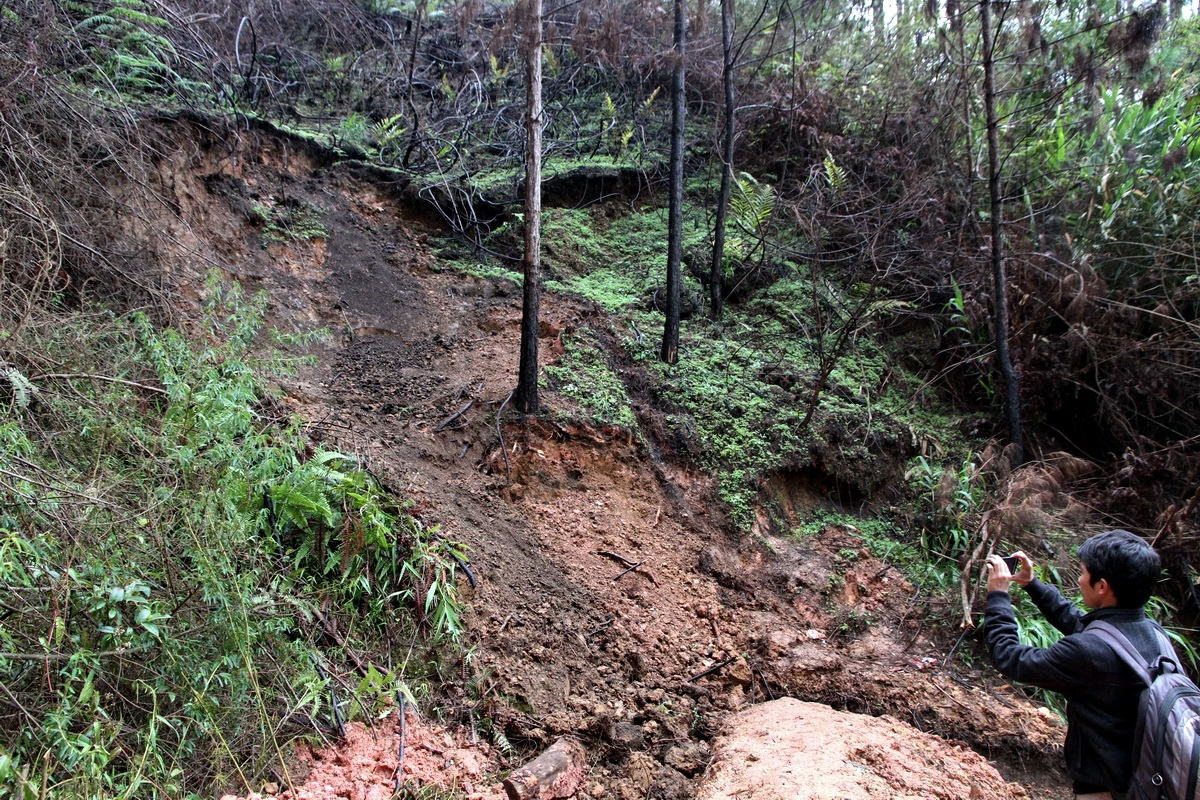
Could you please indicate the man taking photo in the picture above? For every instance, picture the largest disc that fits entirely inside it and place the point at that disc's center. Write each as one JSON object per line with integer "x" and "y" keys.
{"x": 1118, "y": 574}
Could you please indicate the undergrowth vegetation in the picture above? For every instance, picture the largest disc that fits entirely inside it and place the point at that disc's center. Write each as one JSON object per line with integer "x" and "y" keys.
{"x": 176, "y": 556}
{"x": 763, "y": 390}
{"x": 798, "y": 377}
{"x": 584, "y": 376}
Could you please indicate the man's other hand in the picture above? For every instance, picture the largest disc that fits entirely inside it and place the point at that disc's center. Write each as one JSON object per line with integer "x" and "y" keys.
{"x": 998, "y": 576}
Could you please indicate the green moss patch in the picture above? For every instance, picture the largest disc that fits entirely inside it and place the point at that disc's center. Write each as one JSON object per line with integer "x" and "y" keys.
{"x": 584, "y": 376}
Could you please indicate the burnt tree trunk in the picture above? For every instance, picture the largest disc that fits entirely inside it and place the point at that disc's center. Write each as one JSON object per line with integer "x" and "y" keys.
{"x": 527, "y": 374}
{"x": 412, "y": 65}
{"x": 717, "y": 272}
{"x": 670, "y": 343}
{"x": 1012, "y": 389}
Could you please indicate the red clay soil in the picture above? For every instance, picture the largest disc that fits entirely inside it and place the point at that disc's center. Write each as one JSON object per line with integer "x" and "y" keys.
{"x": 644, "y": 665}
{"x": 364, "y": 766}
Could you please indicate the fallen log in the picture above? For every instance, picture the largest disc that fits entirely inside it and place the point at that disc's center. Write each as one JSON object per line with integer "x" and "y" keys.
{"x": 556, "y": 773}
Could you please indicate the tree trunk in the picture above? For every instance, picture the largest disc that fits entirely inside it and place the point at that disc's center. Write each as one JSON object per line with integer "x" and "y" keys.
{"x": 717, "y": 273}
{"x": 1012, "y": 393}
{"x": 412, "y": 66}
{"x": 670, "y": 343}
{"x": 527, "y": 374}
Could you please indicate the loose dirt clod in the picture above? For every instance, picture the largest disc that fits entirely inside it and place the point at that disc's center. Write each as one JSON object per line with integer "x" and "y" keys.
{"x": 807, "y": 751}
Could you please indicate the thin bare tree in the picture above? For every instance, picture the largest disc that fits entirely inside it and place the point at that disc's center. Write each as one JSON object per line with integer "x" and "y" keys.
{"x": 1012, "y": 388}
{"x": 527, "y": 373}
{"x": 670, "y": 343}
{"x": 717, "y": 271}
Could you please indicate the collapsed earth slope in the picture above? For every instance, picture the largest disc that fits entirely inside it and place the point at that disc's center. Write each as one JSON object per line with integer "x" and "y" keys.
{"x": 610, "y": 599}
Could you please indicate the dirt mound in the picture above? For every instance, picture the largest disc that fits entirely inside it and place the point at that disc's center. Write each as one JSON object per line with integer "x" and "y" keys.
{"x": 806, "y": 751}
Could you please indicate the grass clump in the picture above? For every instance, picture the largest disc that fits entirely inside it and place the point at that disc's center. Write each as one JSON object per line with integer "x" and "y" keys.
{"x": 172, "y": 545}
{"x": 584, "y": 375}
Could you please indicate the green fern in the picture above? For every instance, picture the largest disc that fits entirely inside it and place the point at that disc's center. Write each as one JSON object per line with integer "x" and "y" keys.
{"x": 751, "y": 206}
{"x": 501, "y": 742}
{"x": 22, "y": 390}
{"x": 388, "y": 131}
{"x": 626, "y": 137}
{"x": 608, "y": 109}
{"x": 886, "y": 306}
{"x": 834, "y": 174}
{"x": 498, "y": 71}
{"x": 133, "y": 12}
{"x": 130, "y": 50}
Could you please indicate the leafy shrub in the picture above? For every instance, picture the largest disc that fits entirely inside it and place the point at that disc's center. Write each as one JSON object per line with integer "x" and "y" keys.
{"x": 951, "y": 499}
{"x": 171, "y": 547}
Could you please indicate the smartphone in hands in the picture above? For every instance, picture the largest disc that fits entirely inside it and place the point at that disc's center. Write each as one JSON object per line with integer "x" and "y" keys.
{"x": 1014, "y": 564}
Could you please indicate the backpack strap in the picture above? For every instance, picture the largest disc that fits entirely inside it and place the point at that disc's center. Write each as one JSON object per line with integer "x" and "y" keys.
{"x": 1113, "y": 637}
{"x": 1168, "y": 661}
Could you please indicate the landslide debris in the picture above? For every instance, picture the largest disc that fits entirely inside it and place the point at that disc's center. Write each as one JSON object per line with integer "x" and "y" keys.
{"x": 645, "y": 665}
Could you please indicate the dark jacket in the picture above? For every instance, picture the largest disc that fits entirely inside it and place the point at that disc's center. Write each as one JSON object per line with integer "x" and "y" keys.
{"x": 1102, "y": 692}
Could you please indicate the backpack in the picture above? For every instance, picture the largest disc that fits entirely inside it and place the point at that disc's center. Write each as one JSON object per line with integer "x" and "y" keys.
{"x": 1166, "y": 743}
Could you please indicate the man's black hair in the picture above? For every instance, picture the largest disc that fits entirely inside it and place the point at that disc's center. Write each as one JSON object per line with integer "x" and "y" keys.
{"x": 1130, "y": 566}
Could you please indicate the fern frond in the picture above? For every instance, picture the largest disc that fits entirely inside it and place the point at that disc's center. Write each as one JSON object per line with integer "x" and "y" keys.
{"x": 834, "y": 173}
{"x": 886, "y": 306}
{"x": 23, "y": 390}
{"x": 86, "y": 9}
{"x": 608, "y": 109}
{"x": 501, "y": 741}
{"x": 389, "y": 130}
{"x": 98, "y": 20}
{"x": 752, "y": 204}
{"x": 138, "y": 17}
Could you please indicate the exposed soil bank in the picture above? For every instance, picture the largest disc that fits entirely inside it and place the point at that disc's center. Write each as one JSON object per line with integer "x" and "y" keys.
{"x": 645, "y": 664}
